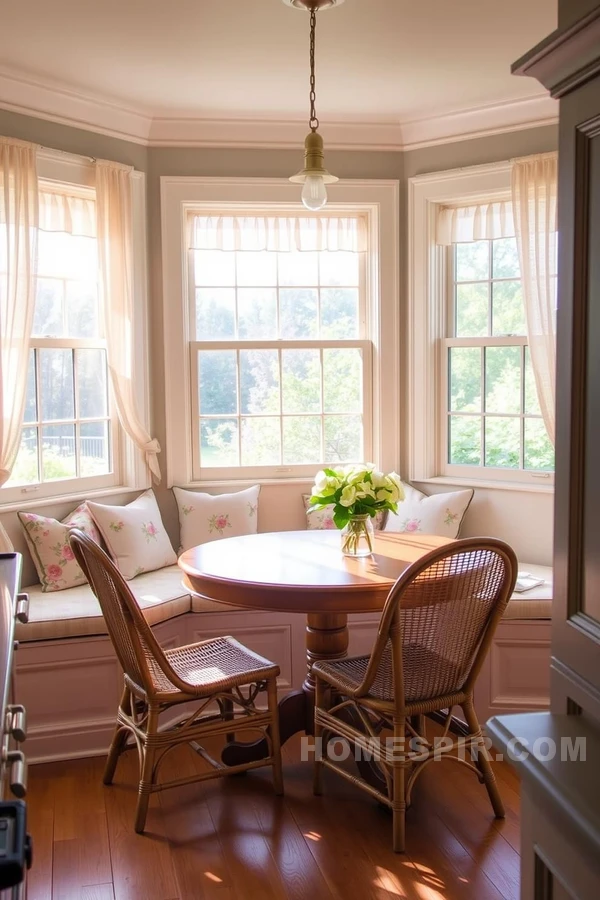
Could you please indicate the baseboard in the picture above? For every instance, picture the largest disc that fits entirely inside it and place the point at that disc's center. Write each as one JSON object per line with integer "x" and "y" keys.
{"x": 69, "y": 741}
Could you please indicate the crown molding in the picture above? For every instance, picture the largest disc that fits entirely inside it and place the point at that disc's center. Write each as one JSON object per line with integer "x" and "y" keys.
{"x": 67, "y": 105}
{"x": 64, "y": 104}
{"x": 481, "y": 121}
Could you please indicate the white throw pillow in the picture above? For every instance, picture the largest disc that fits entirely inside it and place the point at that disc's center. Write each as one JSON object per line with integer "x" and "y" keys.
{"x": 135, "y": 535}
{"x": 440, "y": 514}
{"x": 322, "y": 519}
{"x": 48, "y": 542}
{"x": 209, "y": 517}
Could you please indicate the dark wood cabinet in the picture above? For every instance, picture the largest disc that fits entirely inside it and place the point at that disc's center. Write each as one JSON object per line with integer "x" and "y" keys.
{"x": 561, "y": 795}
{"x": 568, "y": 64}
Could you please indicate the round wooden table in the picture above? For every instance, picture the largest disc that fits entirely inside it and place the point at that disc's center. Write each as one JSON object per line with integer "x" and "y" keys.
{"x": 302, "y": 572}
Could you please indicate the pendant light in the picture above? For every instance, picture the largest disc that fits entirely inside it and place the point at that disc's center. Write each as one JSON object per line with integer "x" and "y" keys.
{"x": 314, "y": 176}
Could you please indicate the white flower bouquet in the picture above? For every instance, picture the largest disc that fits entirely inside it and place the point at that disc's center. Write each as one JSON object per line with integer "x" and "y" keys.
{"x": 357, "y": 493}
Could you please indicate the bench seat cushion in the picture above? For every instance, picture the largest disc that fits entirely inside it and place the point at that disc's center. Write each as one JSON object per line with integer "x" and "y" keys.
{"x": 162, "y": 595}
{"x": 535, "y": 603}
{"x": 76, "y": 612}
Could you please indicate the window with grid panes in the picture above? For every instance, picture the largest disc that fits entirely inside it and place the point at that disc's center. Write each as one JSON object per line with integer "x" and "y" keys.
{"x": 67, "y": 435}
{"x": 281, "y": 369}
{"x": 492, "y": 419}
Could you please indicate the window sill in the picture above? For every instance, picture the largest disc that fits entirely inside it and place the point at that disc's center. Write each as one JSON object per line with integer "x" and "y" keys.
{"x": 33, "y": 502}
{"x": 487, "y": 484}
{"x": 242, "y": 483}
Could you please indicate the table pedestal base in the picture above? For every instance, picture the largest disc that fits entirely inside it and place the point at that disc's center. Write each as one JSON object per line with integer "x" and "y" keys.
{"x": 326, "y": 638}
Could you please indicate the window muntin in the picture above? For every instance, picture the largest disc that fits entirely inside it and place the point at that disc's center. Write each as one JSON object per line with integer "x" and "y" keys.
{"x": 281, "y": 368}
{"x": 492, "y": 419}
{"x": 68, "y": 438}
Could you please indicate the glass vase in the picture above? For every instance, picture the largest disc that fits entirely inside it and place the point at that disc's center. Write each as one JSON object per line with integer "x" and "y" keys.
{"x": 357, "y": 536}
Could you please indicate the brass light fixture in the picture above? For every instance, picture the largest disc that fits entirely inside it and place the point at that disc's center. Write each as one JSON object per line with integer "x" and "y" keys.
{"x": 314, "y": 176}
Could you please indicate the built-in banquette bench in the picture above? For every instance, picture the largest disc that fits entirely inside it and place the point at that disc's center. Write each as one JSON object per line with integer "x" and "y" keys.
{"x": 70, "y": 681}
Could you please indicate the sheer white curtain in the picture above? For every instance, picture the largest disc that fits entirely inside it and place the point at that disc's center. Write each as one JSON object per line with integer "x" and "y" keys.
{"x": 477, "y": 222}
{"x": 280, "y": 233}
{"x": 115, "y": 250}
{"x": 67, "y": 209}
{"x": 534, "y": 190}
{"x": 19, "y": 212}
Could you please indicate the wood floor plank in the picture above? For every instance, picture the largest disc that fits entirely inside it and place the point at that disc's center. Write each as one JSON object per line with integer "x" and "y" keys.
{"x": 232, "y": 839}
{"x": 508, "y": 774}
{"x": 198, "y": 859}
{"x": 509, "y": 827}
{"x": 98, "y": 892}
{"x": 434, "y": 847}
{"x": 40, "y": 824}
{"x": 79, "y": 823}
{"x": 141, "y": 863}
{"x": 247, "y": 855}
{"x": 299, "y": 871}
{"x": 332, "y": 826}
{"x": 475, "y": 830}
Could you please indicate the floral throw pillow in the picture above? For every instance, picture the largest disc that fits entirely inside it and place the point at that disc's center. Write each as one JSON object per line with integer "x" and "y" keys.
{"x": 319, "y": 519}
{"x": 135, "y": 535}
{"x": 48, "y": 542}
{"x": 209, "y": 517}
{"x": 440, "y": 514}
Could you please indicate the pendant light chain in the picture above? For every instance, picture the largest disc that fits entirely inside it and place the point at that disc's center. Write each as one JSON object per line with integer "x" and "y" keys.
{"x": 313, "y": 121}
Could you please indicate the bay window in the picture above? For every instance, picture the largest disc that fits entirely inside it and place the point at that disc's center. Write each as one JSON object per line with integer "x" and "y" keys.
{"x": 276, "y": 337}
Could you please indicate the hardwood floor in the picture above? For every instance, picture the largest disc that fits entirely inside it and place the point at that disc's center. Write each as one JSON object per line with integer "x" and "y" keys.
{"x": 232, "y": 839}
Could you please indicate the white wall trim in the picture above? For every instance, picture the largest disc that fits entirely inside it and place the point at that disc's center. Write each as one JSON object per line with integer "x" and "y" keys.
{"x": 379, "y": 199}
{"x": 69, "y": 105}
{"x": 131, "y": 472}
{"x": 66, "y": 104}
{"x": 426, "y": 316}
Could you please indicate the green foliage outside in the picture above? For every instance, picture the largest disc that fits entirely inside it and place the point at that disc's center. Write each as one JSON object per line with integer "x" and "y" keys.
{"x": 287, "y": 381}
{"x": 493, "y": 387}
{"x": 56, "y": 466}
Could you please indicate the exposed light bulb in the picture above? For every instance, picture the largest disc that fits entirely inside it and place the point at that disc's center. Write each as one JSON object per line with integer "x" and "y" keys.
{"x": 314, "y": 192}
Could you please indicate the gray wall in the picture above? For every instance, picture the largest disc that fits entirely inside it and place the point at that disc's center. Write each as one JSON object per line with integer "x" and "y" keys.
{"x": 273, "y": 163}
{"x": 72, "y": 140}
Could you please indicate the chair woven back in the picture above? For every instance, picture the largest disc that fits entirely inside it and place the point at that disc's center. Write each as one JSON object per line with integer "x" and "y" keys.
{"x": 439, "y": 619}
{"x": 136, "y": 647}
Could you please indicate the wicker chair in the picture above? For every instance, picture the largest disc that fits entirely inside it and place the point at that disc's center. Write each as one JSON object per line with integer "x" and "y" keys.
{"x": 435, "y": 631}
{"x": 212, "y": 672}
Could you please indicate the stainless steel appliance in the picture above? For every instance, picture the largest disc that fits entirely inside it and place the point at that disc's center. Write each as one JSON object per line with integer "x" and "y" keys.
{"x": 15, "y": 843}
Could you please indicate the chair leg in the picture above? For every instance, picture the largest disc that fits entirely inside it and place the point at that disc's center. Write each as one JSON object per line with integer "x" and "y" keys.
{"x": 483, "y": 763}
{"x": 119, "y": 740}
{"x": 399, "y": 789}
{"x": 226, "y": 706}
{"x": 147, "y": 770}
{"x": 318, "y": 737}
{"x": 275, "y": 739}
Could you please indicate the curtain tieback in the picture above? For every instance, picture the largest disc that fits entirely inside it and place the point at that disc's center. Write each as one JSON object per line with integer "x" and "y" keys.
{"x": 151, "y": 447}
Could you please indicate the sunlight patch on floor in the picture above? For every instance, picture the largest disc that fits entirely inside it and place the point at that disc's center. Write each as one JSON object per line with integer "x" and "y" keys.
{"x": 214, "y": 878}
{"x": 389, "y": 882}
{"x": 428, "y": 893}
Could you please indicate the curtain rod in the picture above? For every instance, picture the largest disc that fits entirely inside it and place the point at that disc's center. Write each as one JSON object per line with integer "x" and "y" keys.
{"x": 74, "y": 156}
{"x": 548, "y": 155}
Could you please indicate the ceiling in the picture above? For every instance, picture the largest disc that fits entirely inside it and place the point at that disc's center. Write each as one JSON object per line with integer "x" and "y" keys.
{"x": 379, "y": 62}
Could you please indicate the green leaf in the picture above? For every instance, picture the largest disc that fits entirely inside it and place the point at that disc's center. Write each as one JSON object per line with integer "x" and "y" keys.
{"x": 322, "y": 501}
{"x": 341, "y": 518}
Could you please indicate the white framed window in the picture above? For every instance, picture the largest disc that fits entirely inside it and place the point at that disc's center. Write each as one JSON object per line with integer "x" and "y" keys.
{"x": 481, "y": 421}
{"x": 72, "y": 445}
{"x": 491, "y": 416}
{"x": 274, "y": 356}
